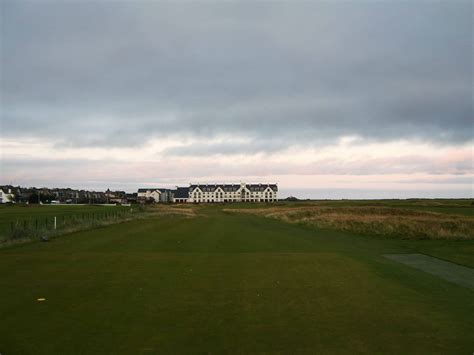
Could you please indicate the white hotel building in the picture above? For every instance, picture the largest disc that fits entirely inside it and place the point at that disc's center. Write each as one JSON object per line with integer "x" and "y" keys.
{"x": 233, "y": 193}
{"x": 211, "y": 193}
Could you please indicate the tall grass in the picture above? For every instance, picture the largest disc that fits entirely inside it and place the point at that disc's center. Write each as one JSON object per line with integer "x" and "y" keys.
{"x": 380, "y": 221}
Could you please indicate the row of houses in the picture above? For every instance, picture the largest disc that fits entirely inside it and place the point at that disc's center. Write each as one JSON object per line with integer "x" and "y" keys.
{"x": 211, "y": 193}
{"x": 17, "y": 194}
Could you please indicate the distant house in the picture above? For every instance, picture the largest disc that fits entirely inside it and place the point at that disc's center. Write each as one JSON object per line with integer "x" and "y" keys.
{"x": 131, "y": 198}
{"x": 181, "y": 194}
{"x": 115, "y": 196}
{"x": 7, "y": 197}
{"x": 148, "y": 194}
{"x": 154, "y": 194}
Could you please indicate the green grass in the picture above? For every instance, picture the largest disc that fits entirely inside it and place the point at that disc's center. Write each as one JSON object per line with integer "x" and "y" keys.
{"x": 229, "y": 283}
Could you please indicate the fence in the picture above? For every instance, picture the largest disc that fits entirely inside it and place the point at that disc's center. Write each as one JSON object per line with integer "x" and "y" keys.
{"x": 38, "y": 226}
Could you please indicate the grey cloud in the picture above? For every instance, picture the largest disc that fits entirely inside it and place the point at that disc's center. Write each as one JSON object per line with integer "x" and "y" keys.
{"x": 175, "y": 169}
{"x": 228, "y": 148}
{"x": 108, "y": 74}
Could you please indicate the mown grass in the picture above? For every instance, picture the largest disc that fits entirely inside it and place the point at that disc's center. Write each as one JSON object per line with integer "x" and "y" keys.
{"x": 226, "y": 283}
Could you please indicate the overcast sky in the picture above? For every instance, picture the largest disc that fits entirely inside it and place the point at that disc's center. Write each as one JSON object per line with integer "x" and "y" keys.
{"x": 333, "y": 99}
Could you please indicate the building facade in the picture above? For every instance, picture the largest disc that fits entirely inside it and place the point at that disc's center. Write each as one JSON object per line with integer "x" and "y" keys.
{"x": 181, "y": 195}
{"x": 204, "y": 193}
{"x": 211, "y": 193}
{"x": 155, "y": 195}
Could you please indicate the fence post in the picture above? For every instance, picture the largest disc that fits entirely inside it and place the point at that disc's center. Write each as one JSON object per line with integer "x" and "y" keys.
{"x": 54, "y": 222}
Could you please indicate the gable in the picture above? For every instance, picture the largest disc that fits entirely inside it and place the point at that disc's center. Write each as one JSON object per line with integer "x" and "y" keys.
{"x": 196, "y": 189}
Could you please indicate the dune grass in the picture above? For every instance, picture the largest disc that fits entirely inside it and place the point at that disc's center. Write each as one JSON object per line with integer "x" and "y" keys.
{"x": 462, "y": 207}
{"x": 373, "y": 220}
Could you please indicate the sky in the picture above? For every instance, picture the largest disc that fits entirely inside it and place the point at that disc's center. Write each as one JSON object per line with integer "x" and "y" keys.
{"x": 329, "y": 99}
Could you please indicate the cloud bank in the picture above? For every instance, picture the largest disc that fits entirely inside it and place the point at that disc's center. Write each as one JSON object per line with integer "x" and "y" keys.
{"x": 237, "y": 79}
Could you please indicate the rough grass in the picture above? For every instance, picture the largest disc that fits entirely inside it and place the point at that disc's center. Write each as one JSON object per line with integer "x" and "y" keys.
{"x": 187, "y": 211}
{"x": 380, "y": 221}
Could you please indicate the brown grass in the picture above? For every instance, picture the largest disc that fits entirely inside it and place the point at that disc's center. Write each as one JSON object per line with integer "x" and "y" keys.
{"x": 383, "y": 221}
{"x": 186, "y": 211}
